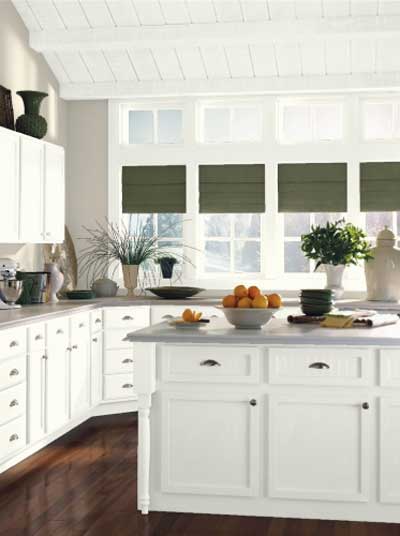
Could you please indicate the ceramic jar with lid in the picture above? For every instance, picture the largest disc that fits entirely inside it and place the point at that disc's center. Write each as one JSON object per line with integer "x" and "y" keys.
{"x": 383, "y": 271}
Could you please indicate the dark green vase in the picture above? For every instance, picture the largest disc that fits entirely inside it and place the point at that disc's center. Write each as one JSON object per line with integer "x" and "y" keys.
{"x": 32, "y": 123}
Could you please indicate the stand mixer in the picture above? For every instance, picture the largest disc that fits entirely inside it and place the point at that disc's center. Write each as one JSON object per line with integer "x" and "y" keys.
{"x": 10, "y": 288}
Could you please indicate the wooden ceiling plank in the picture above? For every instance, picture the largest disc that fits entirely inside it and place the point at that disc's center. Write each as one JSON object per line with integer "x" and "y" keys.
{"x": 149, "y": 12}
{"x": 71, "y": 13}
{"x": 144, "y": 64}
{"x": 288, "y": 58}
{"x": 240, "y": 63}
{"x": 363, "y": 56}
{"x": 338, "y": 57}
{"x": 98, "y": 66}
{"x": 123, "y": 13}
{"x": 228, "y": 10}
{"x": 255, "y": 10}
{"x": 47, "y": 14}
{"x": 175, "y": 12}
{"x": 97, "y": 13}
{"x": 75, "y": 67}
{"x": 27, "y": 15}
{"x": 191, "y": 62}
{"x": 121, "y": 65}
{"x": 201, "y": 11}
{"x": 313, "y": 58}
{"x": 263, "y": 60}
{"x": 215, "y": 62}
{"x": 168, "y": 64}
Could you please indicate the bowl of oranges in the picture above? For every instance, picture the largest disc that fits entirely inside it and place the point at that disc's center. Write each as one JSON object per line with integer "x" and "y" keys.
{"x": 249, "y": 308}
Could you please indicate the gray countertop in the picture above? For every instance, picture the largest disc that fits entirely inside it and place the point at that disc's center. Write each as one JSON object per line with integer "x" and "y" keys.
{"x": 278, "y": 331}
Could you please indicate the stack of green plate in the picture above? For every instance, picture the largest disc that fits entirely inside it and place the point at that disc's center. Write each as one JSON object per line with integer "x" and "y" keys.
{"x": 316, "y": 302}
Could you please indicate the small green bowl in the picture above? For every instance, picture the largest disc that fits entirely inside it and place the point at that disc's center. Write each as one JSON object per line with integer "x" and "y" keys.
{"x": 80, "y": 295}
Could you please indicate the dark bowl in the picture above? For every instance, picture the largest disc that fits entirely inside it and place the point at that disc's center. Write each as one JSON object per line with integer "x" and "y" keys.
{"x": 175, "y": 293}
{"x": 80, "y": 294}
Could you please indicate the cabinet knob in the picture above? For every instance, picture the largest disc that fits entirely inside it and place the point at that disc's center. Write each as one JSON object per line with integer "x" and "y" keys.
{"x": 14, "y": 403}
{"x": 44, "y": 357}
{"x": 94, "y": 339}
{"x": 127, "y": 360}
{"x": 75, "y": 347}
{"x": 68, "y": 349}
{"x": 14, "y": 372}
{"x": 253, "y": 402}
{"x": 97, "y": 321}
{"x": 82, "y": 325}
{"x": 14, "y": 437}
{"x": 127, "y": 317}
{"x": 39, "y": 337}
{"x": 127, "y": 386}
{"x": 365, "y": 405}
{"x": 13, "y": 344}
{"x": 319, "y": 365}
{"x": 59, "y": 332}
{"x": 210, "y": 363}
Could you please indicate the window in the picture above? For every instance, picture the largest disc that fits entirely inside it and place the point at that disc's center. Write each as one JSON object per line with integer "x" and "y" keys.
{"x": 295, "y": 225}
{"x": 381, "y": 120}
{"x": 168, "y": 228}
{"x": 376, "y": 221}
{"x": 306, "y": 122}
{"x": 230, "y": 124}
{"x": 232, "y": 243}
{"x": 155, "y": 126}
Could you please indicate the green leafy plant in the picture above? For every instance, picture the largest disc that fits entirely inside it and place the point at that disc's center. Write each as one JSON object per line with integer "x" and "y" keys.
{"x": 109, "y": 245}
{"x": 336, "y": 243}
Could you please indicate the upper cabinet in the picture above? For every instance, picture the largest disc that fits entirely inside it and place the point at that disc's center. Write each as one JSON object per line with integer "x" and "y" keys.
{"x": 32, "y": 183}
{"x": 9, "y": 185}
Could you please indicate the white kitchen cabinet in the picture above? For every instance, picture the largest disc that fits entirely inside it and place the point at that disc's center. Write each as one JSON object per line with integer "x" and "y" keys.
{"x": 389, "y": 451}
{"x": 31, "y": 215}
{"x": 304, "y": 434}
{"x": 54, "y": 194}
{"x": 9, "y": 186}
{"x": 96, "y": 368}
{"x": 36, "y": 410}
{"x": 79, "y": 365}
{"x": 57, "y": 374}
{"x": 210, "y": 443}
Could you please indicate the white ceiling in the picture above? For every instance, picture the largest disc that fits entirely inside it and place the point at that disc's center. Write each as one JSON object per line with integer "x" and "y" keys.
{"x": 125, "y": 48}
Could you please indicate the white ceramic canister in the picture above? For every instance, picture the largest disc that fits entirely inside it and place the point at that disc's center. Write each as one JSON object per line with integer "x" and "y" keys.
{"x": 383, "y": 271}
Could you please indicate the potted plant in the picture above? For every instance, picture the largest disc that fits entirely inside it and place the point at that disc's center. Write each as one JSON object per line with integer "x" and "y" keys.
{"x": 167, "y": 266}
{"x": 335, "y": 246}
{"x": 110, "y": 245}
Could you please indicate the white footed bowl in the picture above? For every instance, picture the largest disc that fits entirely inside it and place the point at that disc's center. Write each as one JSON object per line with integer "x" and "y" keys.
{"x": 248, "y": 318}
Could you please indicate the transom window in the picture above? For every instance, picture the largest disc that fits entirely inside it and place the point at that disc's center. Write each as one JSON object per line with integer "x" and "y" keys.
{"x": 230, "y": 124}
{"x": 381, "y": 120}
{"x": 162, "y": 126}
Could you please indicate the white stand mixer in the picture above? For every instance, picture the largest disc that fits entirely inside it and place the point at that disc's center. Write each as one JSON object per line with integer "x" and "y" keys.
{"x": 10, "y": 288}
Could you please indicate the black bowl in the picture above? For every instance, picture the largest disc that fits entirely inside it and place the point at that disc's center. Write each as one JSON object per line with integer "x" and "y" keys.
{"x": 175, "y": 293}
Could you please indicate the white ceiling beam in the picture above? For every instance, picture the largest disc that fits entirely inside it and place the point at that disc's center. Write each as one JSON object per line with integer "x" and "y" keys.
{"x": 237, "y": 86}
{"x": 229, "y": 33}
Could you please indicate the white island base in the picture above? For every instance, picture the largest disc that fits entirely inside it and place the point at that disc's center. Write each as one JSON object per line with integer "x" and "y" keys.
{"x": 288, "y": 421}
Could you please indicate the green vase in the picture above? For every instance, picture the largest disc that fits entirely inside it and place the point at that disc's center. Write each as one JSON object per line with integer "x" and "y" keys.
{"x": 31, "y": 122}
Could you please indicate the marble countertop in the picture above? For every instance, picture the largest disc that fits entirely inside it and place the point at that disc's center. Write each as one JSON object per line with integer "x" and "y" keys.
{"x": 278, "y": 331}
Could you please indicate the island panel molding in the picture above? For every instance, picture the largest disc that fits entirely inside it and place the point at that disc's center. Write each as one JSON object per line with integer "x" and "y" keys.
{"x": 232, "y": 188}
{"x": 380, "y": 186}
{"x": 312, "y": 187}
{"x": 153, "y": 189}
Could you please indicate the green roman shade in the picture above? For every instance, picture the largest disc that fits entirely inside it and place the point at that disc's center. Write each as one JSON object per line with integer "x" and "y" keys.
{"x": 233, "y": 188}
{"x": 380, "y": 186}
{"x": 312, "y": 187}
{"x": 153, "y": 189}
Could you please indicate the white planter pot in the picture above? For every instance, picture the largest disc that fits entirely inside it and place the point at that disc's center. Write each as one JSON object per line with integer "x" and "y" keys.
{"x": 334, "y": 279}
{"x": 130, "y": 272}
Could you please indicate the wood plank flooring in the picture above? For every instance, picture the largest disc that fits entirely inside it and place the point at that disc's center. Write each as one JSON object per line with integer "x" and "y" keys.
{"x": 84, "y": 484}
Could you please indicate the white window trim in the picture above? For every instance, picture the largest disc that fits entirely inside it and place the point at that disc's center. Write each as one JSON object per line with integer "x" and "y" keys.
{"x": 269, "y": 151}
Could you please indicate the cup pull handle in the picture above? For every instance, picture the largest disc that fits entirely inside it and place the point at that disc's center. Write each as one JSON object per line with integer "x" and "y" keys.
{"x": 94, "y": 339}
{"x": 127, "y": 360}
{"x": 97, "y": 321}
{"x": 14, "y": 437}
{"x": 210, "y": 363}
{"x": 14, "y": 372}
{"x": 127, "y": 386}
{"x": 39, "y": 337}
{"x": 81, "y": 325}
{"x": 319, "y": 365}
{"x": 59, "y": 332}
{"x": 127, "y": 317}
{"x": 13, "y": 344}
{"x": 14, "y": 403}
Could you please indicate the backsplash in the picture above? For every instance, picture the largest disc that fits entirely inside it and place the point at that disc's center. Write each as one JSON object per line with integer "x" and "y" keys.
{"x": 29, "y": 256}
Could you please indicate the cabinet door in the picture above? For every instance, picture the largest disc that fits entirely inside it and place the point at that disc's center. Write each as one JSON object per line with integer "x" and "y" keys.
{"x": 36, "y": 395}
{"x": 318, "y": 448}
{"x": 210, "y": 444}
{"x": 9, "y": 186}
{"x": 57, "y": 387}
{"x": 96, "y": 368}
{"x": 389, "y": 452}
{"x": 54, "y": 194}
{"x": 79, "y": 378}
{"x": 31, "y": 204}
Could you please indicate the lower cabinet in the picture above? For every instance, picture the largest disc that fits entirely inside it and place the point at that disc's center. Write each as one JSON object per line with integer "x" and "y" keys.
{"x": 96, "y": 356}
{"x": 306, "y": 435}
{"x": 389, "y": 451}
{"x": 36, "y": 395}
{"x": 210, "y": 444}
{"x": 79, "y": 378}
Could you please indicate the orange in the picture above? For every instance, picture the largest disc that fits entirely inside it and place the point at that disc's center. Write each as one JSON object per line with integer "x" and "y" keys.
{"x": 229, "y": 301}
{"x": 253, "y": 292}
{"x": 275, "y": 300}
{"x": 197, "y": 316}
{"x": 260, "y": 302}
{"x": 188, "y": 315}
{"x": 240, "y": 291}
{"x": 244, "y": 303}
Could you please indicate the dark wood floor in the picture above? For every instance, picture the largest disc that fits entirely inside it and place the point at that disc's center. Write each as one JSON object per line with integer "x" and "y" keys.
{"x": 85, "y": 484}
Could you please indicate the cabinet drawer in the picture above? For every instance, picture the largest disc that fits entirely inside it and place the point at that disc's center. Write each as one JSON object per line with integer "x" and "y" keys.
{"x": 80, "y": 326}
{"x": 320, "y": 366}
{"x": 12, "y": 342}
{"x": 389, "y": 367}
{"x": 12, "y": 371}
{"x": 126, "y": 317}
{"x": 96, "y": 321}
{"x": 118, "y": 361}
{"x": 12, "y": 437}
{"x": 58, "y": 332}
{"x": 37, "y": 338}
{"x": 119, "y": 386}
{"x": 12, "y": 403}
{"x": 209, "y": 364}
{"x": 114, "y": 339}
{"x": 162, "y": 312}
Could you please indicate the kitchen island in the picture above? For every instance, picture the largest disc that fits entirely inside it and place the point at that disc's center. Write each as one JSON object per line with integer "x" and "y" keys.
{"x": 287, "y": 421}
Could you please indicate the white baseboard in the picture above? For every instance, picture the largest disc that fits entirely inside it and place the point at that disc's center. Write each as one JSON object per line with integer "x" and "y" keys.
{"x": 113, "y": 408}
